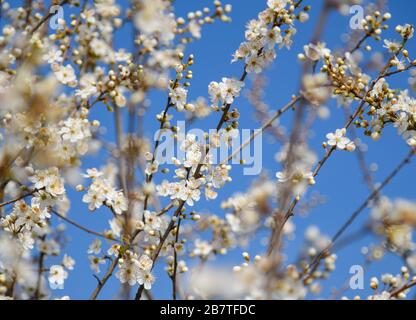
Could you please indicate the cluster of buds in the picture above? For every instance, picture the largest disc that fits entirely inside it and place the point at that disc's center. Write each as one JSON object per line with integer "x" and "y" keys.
{"x": 375, "y": 23}
{"x": 393, "y": 287}
{"x": 195, "y": 20}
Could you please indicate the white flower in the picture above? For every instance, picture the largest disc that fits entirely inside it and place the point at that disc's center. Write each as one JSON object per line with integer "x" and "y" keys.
{"x": 399, "y": 64}
{"x": 255, "y": 30}
{"x": 153, "y": 18}
{"x": 94, "y": 199}
{"x": 26, "y": 217}
{"x": 53, "y": 56}
{"x": 72, "y": 130}
{"x": 87, "y": 87}
{"x": 219, "y": 175}
{"x": 152, "y": 167}
{"x": 242, "y": 52}
{"x": 195, "y": 29}
{"x": 99, "y": 47}
{"x": 164, "y": 188}
{"x": 379, "y": 88}
{"x": 146, "y": 279}
{"x": 116, "y": 226}
{"x": 255, "y": 64}
{"x": 95, "y": 247}
{"x": 55, "y": 186}
{"x": 214, "y": 92}
{"x": 93, "y": 173}
{"x": 410, "y": 137}
{"x": 392, "y": 46}
{"x": 189, "y": 143}
{"x": 128, "y": 271}
{"x": 152, "y": 221}
{"x": 316, "y": 52}
{"x": 100, "y": 191}
{"x": 340, "y": 141}
{"x": 26, "y": 240}
{"x": 145, "y": 263}
{"x": 385, "y": 295}
{"x": 299, "y": 180}
{"x": 95, "y": 263}
{"x": 190, "y": 195}
{"x": 114, "y": 250}
{"x": 122, "y": 56}
{"x": 43, "y": 178}
{"x": 177, "y": 189}
{"x": 193, "y": 158}
{"x": 406, "y": 31}
{"x": 120, "y": 99}
{"x": 210, "y": 194}
{"x": 39, "y": 210}
{"x": 273, "y": 36}
{"x": 202, "y": 248}
{"x": 66, "y": 75}
{"x": 68, "y": 262}
{"x": 230, "y": 89}
{"x": 119, "y": 203}
{"x": 277, "y": 5}
{"x": 225, "y": 91}
{"x": 57, "y": 276}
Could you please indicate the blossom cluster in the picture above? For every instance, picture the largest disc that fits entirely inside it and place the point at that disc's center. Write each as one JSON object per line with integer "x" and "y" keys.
{"x": 274, "y": 26}
{"x": 101, "y": 191}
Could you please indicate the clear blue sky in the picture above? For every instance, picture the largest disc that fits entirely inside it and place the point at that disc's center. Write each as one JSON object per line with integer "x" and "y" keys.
{"x": 340, "y": 181}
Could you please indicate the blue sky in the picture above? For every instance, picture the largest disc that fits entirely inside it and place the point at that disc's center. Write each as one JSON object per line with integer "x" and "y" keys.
{"x": 340, "y": 181}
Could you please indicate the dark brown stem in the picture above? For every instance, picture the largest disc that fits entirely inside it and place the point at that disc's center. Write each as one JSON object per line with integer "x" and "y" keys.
{"x": 175, "y": 261}
{"x": 81, "y": 227}
{"x": 40, "y": 271}
{"x": 395, "y": 294}
{"x": 47, "y": 17}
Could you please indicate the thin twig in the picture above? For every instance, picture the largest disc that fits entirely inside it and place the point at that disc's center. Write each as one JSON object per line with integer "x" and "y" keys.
{"x": 81, "y": 227}
{"x": 406, "y": 287}
{"x": 47, "y": 17}
{"x": 175, "y": 261}
{"x": 411, "y": 66}
{"x": 195, "y": 175}
{"x": 40, "y": 271}
{"x": 103, "y": 281}
{"x": 290, "y": 211}
{"x": 18, "y": 198}
{"x": 267, "y": 124}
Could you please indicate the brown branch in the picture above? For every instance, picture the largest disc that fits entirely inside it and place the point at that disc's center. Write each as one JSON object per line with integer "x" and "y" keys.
{"x": 266, "y": 125}
{"x": 18, "y": 198}
{"x": 409, "y": 67}
{"x": 81, "y": 227}
{"x": 406, "y": 287}
{"x": 290, "y": 212}
{"x": 195, "y": 175}
{"x": 47, "y": 17}
{"x": 182, "y": 203}
{"x": 103, "y": 281}
{"x": 175, "y": 261}
{"x": 314, "y": 265}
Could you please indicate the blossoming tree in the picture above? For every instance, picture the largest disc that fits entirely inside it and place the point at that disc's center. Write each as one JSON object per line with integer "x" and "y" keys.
{"x": 57, "y": 69}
